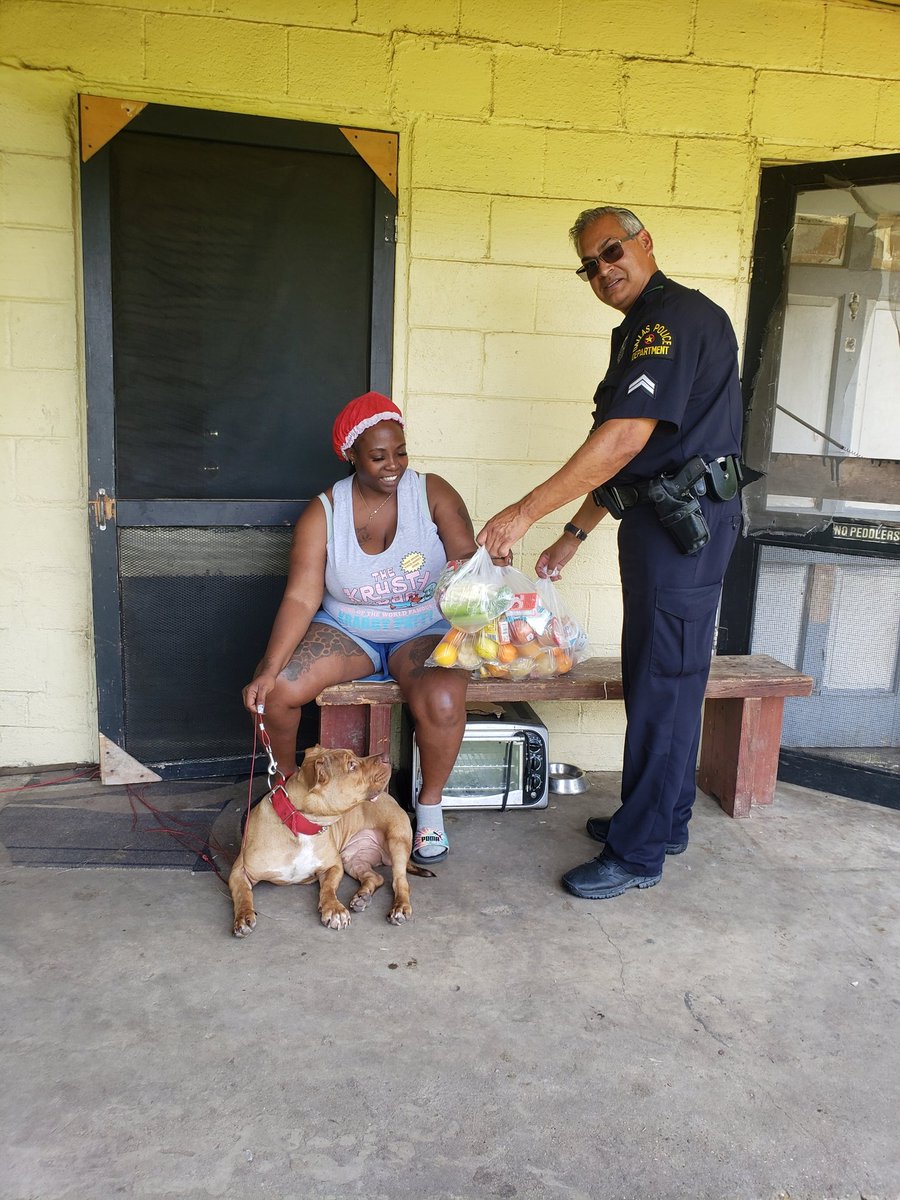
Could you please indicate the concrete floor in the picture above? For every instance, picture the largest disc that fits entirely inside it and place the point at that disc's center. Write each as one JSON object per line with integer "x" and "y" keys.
{"x": 731, "y": 1033}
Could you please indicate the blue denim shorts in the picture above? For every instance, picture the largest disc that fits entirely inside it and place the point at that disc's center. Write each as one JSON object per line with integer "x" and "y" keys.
{"x": 380, "y": 652}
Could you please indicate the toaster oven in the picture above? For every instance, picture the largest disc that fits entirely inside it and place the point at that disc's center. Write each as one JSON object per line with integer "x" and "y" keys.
{"x": 503, "y": 761}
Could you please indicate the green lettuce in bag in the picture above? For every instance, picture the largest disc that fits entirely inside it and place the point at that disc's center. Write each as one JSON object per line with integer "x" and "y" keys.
{"x": 473, "y": 593}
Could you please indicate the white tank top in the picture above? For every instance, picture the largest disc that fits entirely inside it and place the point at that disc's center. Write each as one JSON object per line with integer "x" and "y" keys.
{"x": 384, "y": 597}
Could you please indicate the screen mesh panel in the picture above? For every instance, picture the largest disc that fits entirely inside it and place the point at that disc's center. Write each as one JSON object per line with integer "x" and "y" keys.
{"x": 242, "y": 283}
{"x": 197, "y": 610}
{"x": 837, "y": 618}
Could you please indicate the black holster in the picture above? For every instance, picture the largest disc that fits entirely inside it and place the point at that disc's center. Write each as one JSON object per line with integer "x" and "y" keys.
{"x": 679, "y": 509}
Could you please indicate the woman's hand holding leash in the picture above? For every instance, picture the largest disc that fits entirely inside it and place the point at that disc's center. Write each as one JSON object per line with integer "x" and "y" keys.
{"x": 257, "y": 690}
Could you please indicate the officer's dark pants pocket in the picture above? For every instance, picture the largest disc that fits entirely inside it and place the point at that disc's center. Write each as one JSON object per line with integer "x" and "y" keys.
{"x": 683, "y": 627}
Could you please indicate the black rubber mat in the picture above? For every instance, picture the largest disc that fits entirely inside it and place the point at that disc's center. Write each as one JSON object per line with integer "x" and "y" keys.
{"x": 56, "y": 836}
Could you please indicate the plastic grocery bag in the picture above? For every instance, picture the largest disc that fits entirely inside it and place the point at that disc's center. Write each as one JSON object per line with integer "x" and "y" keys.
{"x": 533, "y": 635}
{"x": 471, "y": 595}
{"x": 456, "y": 649}
{"x": 567, "y": 634}
{"x": 473, "y": 592}
{"x": 536, "y": 636}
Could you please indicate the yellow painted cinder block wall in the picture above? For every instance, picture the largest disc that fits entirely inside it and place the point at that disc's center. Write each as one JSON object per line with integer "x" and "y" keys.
{"x": 512, "y": 116}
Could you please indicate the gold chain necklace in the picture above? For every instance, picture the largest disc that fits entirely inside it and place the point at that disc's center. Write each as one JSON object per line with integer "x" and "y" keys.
{"x": 363, "y": 530}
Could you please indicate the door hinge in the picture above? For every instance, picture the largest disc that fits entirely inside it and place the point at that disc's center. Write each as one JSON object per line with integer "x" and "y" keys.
{"x": 103, "y": 508}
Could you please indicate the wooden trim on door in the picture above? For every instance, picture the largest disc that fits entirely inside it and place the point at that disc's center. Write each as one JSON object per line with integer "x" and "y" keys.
{"x": 101, "y": 118}
{"x": 378, "y": 150}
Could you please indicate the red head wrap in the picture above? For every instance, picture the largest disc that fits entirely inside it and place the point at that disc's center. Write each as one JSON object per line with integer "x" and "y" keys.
{"x": 358, "y": 416}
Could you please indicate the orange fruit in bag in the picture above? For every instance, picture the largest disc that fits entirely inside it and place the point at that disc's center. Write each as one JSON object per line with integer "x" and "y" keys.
{"x": 530, "y": 650}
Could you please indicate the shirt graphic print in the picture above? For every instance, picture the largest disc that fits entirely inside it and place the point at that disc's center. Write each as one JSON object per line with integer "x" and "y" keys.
{"x": 389, "y": 596}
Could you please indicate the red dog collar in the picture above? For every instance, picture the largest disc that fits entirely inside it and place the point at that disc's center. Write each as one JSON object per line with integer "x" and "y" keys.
{"x": 291, "y": 816}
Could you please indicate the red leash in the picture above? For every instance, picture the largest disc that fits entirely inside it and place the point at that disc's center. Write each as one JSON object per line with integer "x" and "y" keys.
{"x": 285, "y": 810}
{"x": 257, "y": 725}
{"x": 84, "y": 775}
{"x": 185, "y": 836}
{"x": 274, "y": 771}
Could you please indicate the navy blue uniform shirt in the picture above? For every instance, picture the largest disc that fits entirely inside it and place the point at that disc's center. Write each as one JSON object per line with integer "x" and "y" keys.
{"x": 674, "y": 358}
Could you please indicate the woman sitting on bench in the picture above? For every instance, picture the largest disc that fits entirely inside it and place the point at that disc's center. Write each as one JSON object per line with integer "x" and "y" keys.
{"x": 359, "y": 602}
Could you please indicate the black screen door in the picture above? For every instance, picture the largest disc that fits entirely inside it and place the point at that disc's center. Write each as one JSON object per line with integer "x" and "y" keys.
{"x": 238, "y": 289}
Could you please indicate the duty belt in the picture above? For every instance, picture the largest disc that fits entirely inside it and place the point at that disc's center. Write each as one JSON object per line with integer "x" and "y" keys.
{"x": 721, "y": 476}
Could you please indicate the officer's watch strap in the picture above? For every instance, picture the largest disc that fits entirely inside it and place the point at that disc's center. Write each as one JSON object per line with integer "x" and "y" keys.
{"x": 575, "y": 531}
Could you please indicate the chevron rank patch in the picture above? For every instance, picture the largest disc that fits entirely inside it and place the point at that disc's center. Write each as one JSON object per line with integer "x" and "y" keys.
{"x": 642, "y": 381}
{"x": 653, "y": 341}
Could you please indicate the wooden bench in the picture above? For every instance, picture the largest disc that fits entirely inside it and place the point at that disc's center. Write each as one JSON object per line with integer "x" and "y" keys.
{"x": 741, "y": 725}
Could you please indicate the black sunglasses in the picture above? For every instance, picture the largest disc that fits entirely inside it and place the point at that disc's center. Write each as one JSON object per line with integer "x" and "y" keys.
{"x": 611, "y": 253}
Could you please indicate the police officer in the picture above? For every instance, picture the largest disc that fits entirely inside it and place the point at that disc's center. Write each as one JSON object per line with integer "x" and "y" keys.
{"x": 664, "y": 451}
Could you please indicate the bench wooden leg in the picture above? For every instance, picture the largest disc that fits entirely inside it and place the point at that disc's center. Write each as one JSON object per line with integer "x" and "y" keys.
{"x": 380, "y": 729}
{"x": 739, "y": 753}
{"x": 362, "y": 728}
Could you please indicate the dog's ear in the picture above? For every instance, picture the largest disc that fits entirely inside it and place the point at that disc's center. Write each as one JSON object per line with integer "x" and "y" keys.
{"x": 308, "y": 769}
{"x": 323, "y": 769}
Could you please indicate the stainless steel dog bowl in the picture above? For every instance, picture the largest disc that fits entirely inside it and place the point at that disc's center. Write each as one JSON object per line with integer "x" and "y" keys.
{"x": 566, "y": 779}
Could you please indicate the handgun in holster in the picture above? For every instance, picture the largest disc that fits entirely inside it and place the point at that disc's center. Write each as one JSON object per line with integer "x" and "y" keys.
{"x": 678, "y": 508}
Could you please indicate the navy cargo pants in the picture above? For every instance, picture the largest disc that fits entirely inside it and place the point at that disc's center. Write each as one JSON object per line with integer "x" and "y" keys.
{"x": 670, "y": 602}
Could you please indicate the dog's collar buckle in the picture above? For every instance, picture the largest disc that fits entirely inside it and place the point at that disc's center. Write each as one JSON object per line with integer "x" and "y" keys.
{"x": 291, "y": 816}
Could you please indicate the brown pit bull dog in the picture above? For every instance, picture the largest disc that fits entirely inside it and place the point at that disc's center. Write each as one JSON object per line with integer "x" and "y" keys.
{"x": 332, "y": 816}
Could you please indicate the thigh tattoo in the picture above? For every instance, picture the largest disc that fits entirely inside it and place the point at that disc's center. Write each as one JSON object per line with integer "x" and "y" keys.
{"x": 321, "y": 642}
{"x": 417, "y": 652}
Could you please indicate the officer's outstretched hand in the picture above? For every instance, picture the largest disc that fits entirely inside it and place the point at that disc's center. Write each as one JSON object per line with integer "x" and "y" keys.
{"x": 555, "y": 557}
{"x": 503, "y": 531}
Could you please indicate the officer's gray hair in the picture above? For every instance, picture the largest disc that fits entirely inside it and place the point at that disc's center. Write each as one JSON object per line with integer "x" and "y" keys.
{"x": 625, "y": 217}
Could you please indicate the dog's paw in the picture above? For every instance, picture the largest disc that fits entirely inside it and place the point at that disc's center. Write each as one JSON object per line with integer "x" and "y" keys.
{"x": 336, "y": 917}
{"x": 244, "y": 924}
{"x": 399, "y": 913}
{"x": 360, "y": 901}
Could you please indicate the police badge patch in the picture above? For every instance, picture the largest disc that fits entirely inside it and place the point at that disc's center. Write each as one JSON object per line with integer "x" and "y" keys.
{"x": 653, "y": 341}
